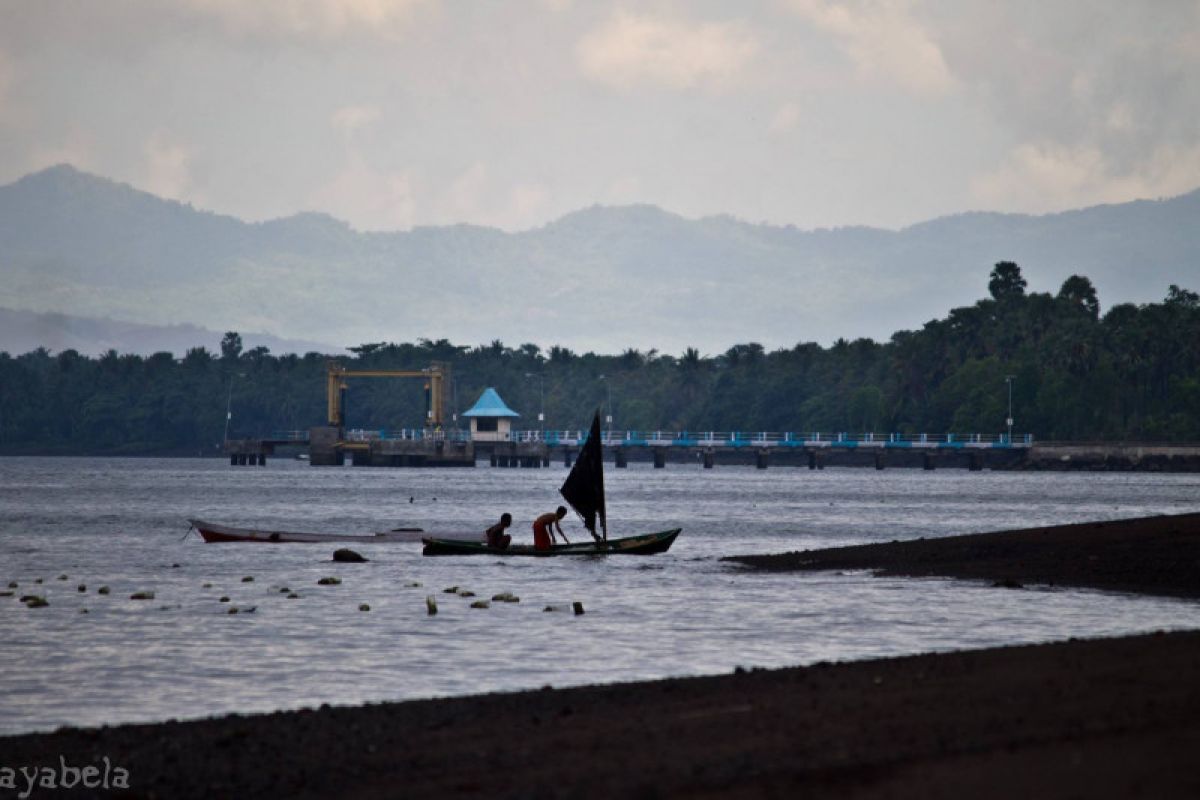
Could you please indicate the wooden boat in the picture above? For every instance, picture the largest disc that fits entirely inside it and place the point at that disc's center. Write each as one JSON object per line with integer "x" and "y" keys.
{"x": 212, "y": 532}
{"x": 645, "y": 545}
{"x": 584, "y": 491}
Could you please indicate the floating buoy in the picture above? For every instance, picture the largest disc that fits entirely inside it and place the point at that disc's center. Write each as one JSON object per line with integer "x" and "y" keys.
{"x": 224, "y": 599}
{"x": 363, "y": 607}
{"x": 578, "y": 606}
{"x": 232, "y": 610}
{"x": 81, "y": 587}
{"x": 103, "y": 590}
{"x": 248, "y": 579}
{"x": 62, "y": 577}
{"x": 207, "y": 586}
{"x": 142, "y": 596}
{"x": 293, "y": 596}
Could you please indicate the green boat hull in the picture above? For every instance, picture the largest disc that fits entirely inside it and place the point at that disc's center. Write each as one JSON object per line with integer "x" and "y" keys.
{"x": 645, "y": 545}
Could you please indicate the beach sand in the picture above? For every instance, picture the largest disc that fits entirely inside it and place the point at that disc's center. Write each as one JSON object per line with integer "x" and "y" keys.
{"x": 1149, "y": 555}
{"x": 1084, "y": 718}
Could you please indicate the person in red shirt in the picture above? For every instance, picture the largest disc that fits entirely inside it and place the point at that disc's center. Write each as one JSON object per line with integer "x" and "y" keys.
{"x": 545, "y": 526}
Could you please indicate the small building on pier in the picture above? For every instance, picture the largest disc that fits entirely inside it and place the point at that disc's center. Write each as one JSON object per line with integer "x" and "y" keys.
{"x": 491, "y": 418}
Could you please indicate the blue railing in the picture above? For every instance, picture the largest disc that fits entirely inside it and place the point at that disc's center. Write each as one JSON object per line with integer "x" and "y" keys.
{"x": 722, "y": 439}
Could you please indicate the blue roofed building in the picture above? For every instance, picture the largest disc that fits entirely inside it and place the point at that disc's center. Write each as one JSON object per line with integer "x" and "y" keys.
{"x": 491, "y": 419}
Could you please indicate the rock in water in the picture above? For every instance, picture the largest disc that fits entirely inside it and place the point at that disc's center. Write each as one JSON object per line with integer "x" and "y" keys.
{"x": 578, "y": 606}
{"x": 481, "y": 604}
{"x": 506, "y": 597}
{"x": 330, "y": 581}
{"x": 348, "y": 556}
{"x": 430, "y": 605}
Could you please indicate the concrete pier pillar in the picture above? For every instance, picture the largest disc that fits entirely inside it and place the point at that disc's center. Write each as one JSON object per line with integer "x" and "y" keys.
{"x": 241, "y": 459}
{"x": 620, "y": 457}
{"x": 567, "y": 454}
{"x": 928, "y": 461}
{"x": 761, "y": 458}
{"x": 820, "y": 460}
{"x": 492, "y": 460}
{"x": 660, "y": 457}
{"x": 812, "y": 459}
{"x": 709, "y": 457}
{"x": 233, "y": 459}
{"x": 546, "y": 460}
{"x": 262, "y": 459}
{"x": 880, "y": 460}
{"x": 976, "y": 462}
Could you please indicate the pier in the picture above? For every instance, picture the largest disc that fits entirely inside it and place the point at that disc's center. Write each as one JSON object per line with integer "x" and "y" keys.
{"x": 330, "y": 446}
{"x": 492, "y": 436}
{"x": 531, "y": 449}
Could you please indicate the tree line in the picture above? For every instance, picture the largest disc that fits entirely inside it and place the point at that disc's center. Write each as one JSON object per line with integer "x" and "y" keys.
{"x": 1132, "y": 373}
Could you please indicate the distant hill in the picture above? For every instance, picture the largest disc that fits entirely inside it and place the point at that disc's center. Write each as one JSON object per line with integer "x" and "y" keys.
{"x": 23, "y": 331}
{"x": 604, "y": 278}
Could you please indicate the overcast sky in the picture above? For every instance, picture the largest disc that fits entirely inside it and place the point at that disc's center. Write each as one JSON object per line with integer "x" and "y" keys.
{"x": 395, "y": 113}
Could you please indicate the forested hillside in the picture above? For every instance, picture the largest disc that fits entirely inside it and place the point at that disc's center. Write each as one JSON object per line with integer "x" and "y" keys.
{"x": 1132, "y": 373}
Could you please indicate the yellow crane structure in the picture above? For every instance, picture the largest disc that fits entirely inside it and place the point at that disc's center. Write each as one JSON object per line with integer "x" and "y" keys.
{"x": 434, "y": 375}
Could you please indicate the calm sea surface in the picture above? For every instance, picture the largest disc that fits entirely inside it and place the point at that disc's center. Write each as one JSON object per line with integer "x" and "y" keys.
{"x": 122, "y": 523}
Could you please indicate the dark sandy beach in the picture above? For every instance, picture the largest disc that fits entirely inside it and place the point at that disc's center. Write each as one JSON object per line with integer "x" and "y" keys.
{"x": 1089, "y": 718}
{"x": 1150, "y": 555}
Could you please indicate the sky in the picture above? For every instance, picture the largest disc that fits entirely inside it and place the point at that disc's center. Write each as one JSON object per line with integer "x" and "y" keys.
{"x": 391, "y": 114}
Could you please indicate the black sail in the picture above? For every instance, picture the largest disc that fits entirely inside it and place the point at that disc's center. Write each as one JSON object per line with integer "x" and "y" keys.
{"x": 584, "y": 487}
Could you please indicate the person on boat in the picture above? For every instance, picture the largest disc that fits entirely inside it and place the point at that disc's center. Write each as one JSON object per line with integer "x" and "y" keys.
{"x": 496, "y": 537}
{"x": 545, "y": 526}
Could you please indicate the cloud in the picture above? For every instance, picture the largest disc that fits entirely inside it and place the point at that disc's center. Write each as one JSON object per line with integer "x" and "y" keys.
{"x": 1048, "y": 176}
{"x": 76, "y": 149}
{"x": 348, "y": 120}
{"x": 1104, "y": 112}
{"x": 462, "y": 199}
{"x": 377, "y": 200}
{"x": 167, "y": 167}
{"x": 7, "y": 78}
{"x": 630, "y": 50}
{"x": 884, "y": 41}
{"x": 307, "y": 19}
{"x": 786, "y": 118}
{"x": 527, "y": 205}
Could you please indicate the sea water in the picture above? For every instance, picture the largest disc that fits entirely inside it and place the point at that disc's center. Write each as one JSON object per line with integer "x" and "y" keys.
{"x": 122, "y": 523}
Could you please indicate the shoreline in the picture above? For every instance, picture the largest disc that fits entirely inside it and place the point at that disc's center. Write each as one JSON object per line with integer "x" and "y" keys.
{"x": 1095, "y": 718}
{"x": 1092, "y": 717}
{"x": 1157, "y": 555}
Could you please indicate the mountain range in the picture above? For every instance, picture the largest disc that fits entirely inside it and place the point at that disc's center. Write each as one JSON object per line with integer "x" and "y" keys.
{"x": 91, "y": 251}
